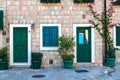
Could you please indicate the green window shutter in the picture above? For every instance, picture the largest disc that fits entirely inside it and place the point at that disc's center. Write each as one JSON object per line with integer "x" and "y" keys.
{"x": 83, "y": 1}
{"x": 50, "y": 1}
{"x": 117, "y": 36}
{"x": 46, "y": 36}
{"x": 1, "y": 20}
{"x": 44, "y": 1}
{"x": 50, "y": 36}
{"x": 116, "y": 2}
{"x": 54, "y": 36}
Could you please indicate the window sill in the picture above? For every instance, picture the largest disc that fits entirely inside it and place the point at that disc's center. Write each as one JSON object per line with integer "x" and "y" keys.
{"x": 48, "y": 48}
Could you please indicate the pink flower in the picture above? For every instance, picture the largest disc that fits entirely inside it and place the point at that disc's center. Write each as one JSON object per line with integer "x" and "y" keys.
{"x": 111, "y": 25}
{"x": 113, "y": 11}
{"x": 94, "y": 12}
{"x": 90, "y": 6}
{"x": 97, "y": 14}
{"x": 90, "y": 21}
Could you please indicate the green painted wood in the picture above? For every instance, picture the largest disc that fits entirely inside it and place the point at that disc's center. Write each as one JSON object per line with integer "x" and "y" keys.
{"x": 1, "y": 20}
{"x": 50, "y": 36}
{"x": 46, "y": 36}
{"x": 20, "y": 44}
{"x": 54, "y": 36}
{"x": 83, "y": 48}
{"x": 50, "y": 1}
{"x": 117, "y": 36}
{"x": 83, "y": 1}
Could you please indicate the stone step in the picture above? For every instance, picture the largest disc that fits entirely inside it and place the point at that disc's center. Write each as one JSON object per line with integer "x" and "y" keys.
{"x": 19, "y": 67}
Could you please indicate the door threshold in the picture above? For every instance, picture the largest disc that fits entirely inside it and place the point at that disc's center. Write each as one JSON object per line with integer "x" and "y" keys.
{"x": 20, "y": 67}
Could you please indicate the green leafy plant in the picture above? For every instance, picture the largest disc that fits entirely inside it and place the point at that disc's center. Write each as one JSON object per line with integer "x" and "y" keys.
{"x": 103, "y": 26}
{"x": 67, "y": 57}
{"x": 66, "y": 47}
{"x": 3, "y": 53}
{"x": 80, "y": 1}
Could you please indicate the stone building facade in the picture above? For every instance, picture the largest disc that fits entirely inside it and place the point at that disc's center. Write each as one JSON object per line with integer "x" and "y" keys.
{"x": 67, "y": 14}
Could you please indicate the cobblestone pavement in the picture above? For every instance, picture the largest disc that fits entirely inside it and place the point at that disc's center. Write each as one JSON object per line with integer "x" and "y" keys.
{"x": 94, "y": 73}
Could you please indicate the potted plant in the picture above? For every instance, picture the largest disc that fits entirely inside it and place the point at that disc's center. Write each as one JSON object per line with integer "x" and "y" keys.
{"x": 3, "y": 58}
{"x": 110, "y": 59}
{"x": 36, "y": 60}
{"x": 66, "y": 48}
{"x": 103, "y": 24}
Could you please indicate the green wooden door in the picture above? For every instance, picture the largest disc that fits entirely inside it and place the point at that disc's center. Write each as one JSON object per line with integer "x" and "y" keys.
{"x": 20, "y": 44}
{"x": 83, "y": 44}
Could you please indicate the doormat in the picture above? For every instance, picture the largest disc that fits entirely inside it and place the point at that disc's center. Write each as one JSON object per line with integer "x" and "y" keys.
{"x": 38, "y": 76}
{"x": 81, "y": 71}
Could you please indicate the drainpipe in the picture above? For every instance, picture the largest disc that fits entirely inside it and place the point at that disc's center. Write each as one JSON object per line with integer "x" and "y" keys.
{"x": 105, "y": 27}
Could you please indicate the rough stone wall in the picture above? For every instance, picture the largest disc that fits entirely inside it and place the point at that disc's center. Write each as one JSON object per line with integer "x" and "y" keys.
{"x": 2, "y": 7}
{"x": 65, "y": 13}
{"x": 116, "y": 20}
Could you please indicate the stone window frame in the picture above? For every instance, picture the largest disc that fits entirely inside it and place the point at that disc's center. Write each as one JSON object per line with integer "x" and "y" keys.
{"x": 41, "y": 36}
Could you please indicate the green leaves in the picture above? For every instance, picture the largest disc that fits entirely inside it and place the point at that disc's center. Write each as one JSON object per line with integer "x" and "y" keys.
{"x": 68, "y": 57}
{"x": 66, "y": 46}
{"x": 103, "y": 26}
{"x": 3, "y": 53}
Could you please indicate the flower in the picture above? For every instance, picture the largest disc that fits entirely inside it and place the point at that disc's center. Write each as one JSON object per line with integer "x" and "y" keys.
{"x": 97, "y": 14}
{"x": 111, "y": 25}
{"x": 90, "y": 6}
{"x": 112, "y": 11}
{"x": 90, "y": 21}
{"x": 106, "y": 23}
{"x": 94, "y": 12}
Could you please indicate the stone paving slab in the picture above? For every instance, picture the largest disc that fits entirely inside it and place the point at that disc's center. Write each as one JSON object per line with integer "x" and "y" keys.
{"x": 94, "y": 73}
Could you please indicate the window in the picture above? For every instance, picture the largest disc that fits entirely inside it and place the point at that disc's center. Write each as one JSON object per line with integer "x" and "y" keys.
{"x": 83, "y": 1}
{"x": 50, "y": 1}
{"x": 117, "y": 2}
{"x": 117, "y": 37}
{"x": 49, "y": 34}
{"x": 1, "y": 20}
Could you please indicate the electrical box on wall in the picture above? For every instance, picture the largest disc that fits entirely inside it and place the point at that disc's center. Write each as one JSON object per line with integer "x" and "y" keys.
{"x": 1, "y": 20}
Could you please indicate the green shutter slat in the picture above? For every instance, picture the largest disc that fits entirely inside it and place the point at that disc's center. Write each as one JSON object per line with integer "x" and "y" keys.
{"x": 46, "y": 36}
{"x": 54, "y": 36}
{"x": 117, "y": 36}
{"x": 50, "y": 1}
{"x": 1, "y": 20}
{"x": 83, "y": 1}
{"x": 44, "y": 1}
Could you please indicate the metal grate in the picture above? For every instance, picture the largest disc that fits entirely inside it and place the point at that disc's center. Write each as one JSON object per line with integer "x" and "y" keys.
{"x": 38, "y": 76}
{"x": 81, "y": 71}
